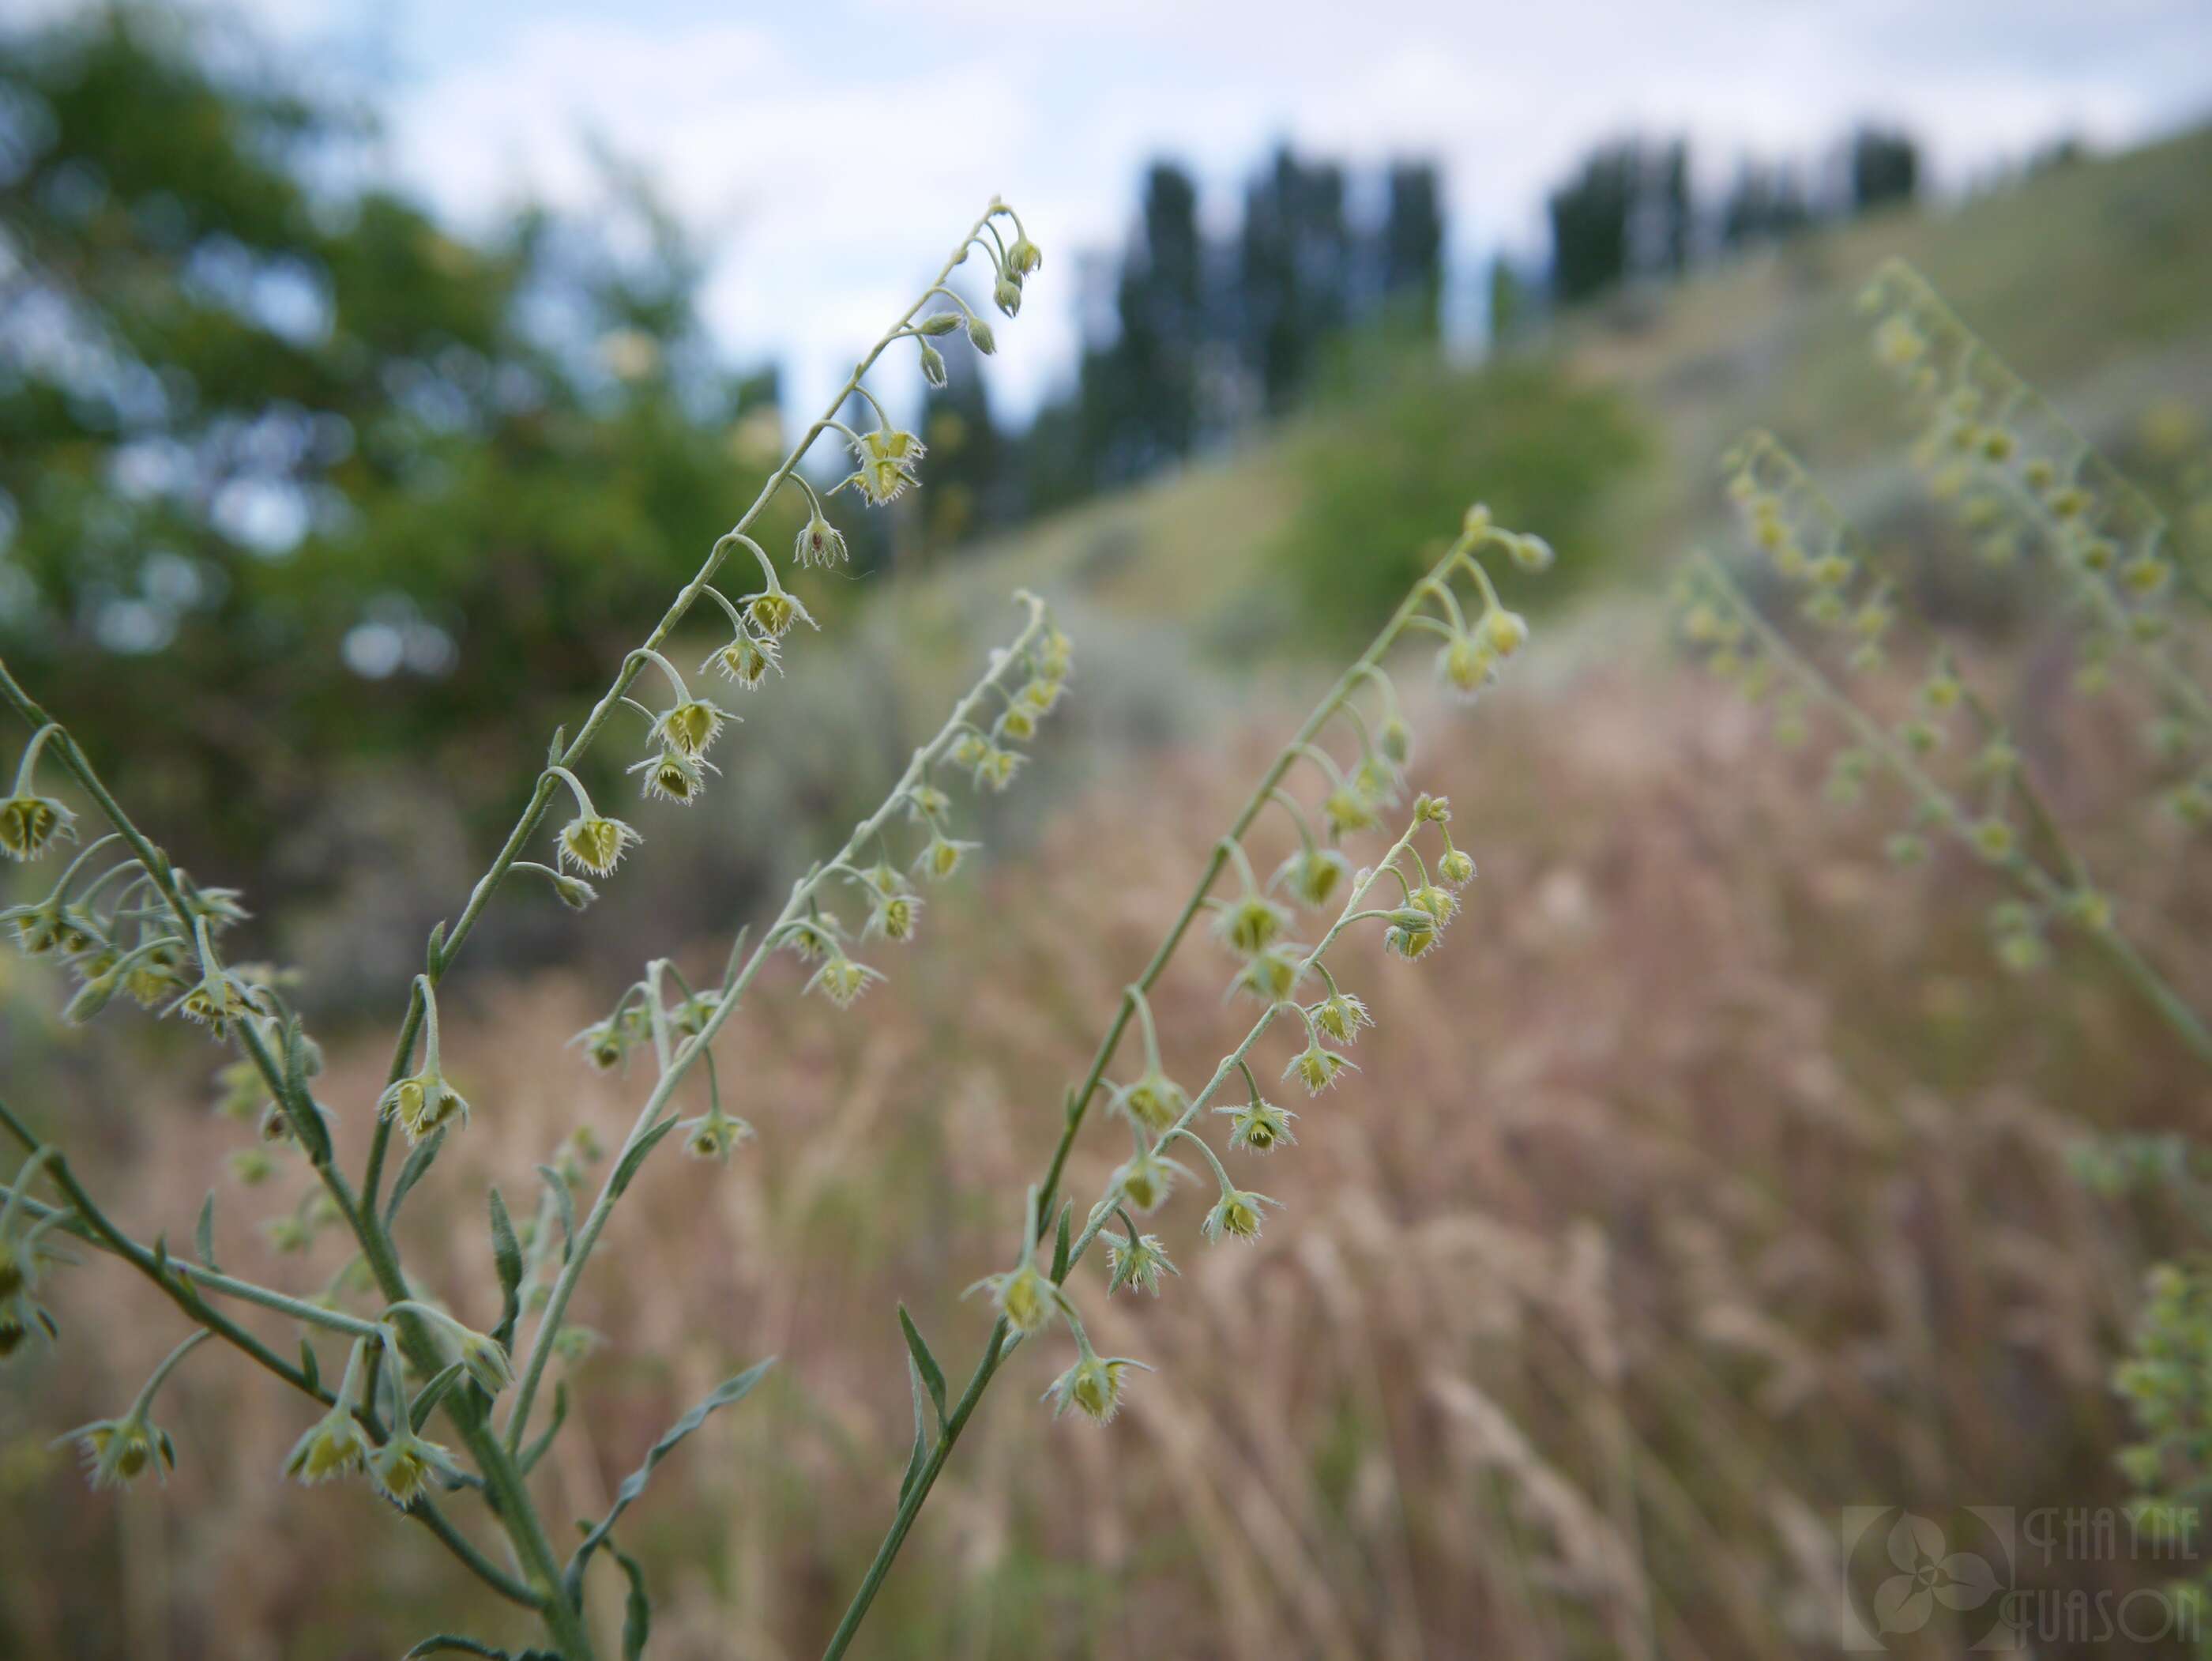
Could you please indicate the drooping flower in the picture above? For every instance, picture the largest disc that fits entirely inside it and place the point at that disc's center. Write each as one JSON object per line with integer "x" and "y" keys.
{"x": 714, "y": 1136}
{"x": 1093, "y": 1385}
{"x": 1249, "y": 922}
{"x": 1024, "y": 1296}
{"x": 1312, "y": 875}
{"x": 1259, "y": 1126}
{"x": 842, "y": 979}
{"x": 1146, "y": 1179}
{"x": 1317, "y": 1068}
{"x": 590, "y": 842}
{"x": 821, "y": 543}
{"x": 1138, "y": 1263}
{"x": 1152, "y": 1103}
{"x": 1341, "y": 1015}
{"x": 746, "y": 660}
{"x": 1238, "y": 1214}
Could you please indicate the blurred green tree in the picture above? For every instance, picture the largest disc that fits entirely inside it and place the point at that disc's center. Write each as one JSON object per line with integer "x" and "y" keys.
{"x": 288, "y": 470}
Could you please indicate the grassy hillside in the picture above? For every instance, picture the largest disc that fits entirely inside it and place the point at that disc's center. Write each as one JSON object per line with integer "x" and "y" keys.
{"x": 2094, "y": 278}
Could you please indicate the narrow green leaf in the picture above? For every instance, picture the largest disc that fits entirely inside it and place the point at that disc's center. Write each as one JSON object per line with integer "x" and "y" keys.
{"x": 564, "y": 1204}
{"x": 310, "y": 1366}
{"x": 449, "y": 1643}
{"x": 506, "y": 1257}
{"x": 536, "y": 1451}
{"x": 204, "y": 1233}
{"x": 925, "y": 1363}
{"x": 637, "y": 1607}
{"x": 426, "y": 1398}
{"x": 1059, "y": 1245}
{"x": 913, "y": 1460}
{"x": 644, "y": 1146}
{"x": 161, "y": 1258}
{"x": 418, "y": 1163}
{"x": 433, "y": 951}
{"x": 558, "y": 747}
{"x": 723, "y": 1395}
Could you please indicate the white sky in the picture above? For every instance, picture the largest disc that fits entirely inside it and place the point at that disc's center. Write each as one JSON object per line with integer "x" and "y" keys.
{"x": 829, "y": 151}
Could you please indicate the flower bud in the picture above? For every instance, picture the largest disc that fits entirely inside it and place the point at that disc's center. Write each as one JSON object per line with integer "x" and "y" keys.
{"x": 981, "y": 338}
{"x": 1530, "y": 552}
{"x": 1347, "y": 811}
{"x": 893, "y": 916}
{"x": 772, "y": 611}
{"x": 690, "y": 727}
{"x": 942, "y": 856}
{"x": 1341, "y": 1015}
{"x": 1258, "y": 1127}
{"x": 1505, "y": 631}
{"x": 998, "y": 766}
{"x": 1312, "y": 874}
{"x": 1237, "y": 1214}
{"x": 1465, "y": 665}
{"x": 1250, "y": 922}
{"x": 1993, "y": 839}
{"x": 933, "y": 365}
{"x": 422, "y": 1102}
{"x": 1023, "y": 256}
{"x": 746, "y": 660}
{"x": 1006, "y": 294}
{"x": 674, "y": 776}
{"x": 595, "y": 844}
{"x": 840, "y": 980}
{"x": 938, "y": 323}
{"x": 1410, "y": 934}
{"x": 714, "y": 1136}
{"x": 1138, "y": 1263}
{"x": 401, "y": 1470}
{"x": 1317, "y": 1068}
{"x": 603, "y": 1042}
{"x": 118, "y": 1451}
{"x": 1023, "y": 1297}
{"x": 1154, "y": 1103}
{"x": 1456, "y": 868}
{"x": 1272, "y": 973}
{"x": 30, "y": 823}
{"x": 1145, "y": 1179}
{"x": 336, "y": 1445}
{"x": 1093, "y": 1385}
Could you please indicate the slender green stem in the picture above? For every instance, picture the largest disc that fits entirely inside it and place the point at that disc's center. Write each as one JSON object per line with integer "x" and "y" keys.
{"x": 1133, "y": 1002}
{"x": 533, "y": 812}
{"x": 676, "y": 1061}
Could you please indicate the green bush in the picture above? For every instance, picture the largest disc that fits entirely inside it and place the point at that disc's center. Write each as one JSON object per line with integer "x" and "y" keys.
{"x": 1380, "y": 471}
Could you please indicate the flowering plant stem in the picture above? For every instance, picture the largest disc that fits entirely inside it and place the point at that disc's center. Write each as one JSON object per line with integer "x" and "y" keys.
{"x": 677, "y": 1062}
{"x": 444, "y": 944}
{"x": 174, "y": 922}
{"x": 996, "y": 1346}
{"x": 1947, "y": 809}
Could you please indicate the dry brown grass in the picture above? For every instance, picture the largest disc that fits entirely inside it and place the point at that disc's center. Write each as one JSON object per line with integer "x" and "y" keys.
{"x": 1707, "y": 1181}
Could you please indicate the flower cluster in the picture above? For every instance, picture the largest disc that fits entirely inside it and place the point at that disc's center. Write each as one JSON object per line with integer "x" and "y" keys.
{"x": 2020, "y": 479}
{"x": 1959, "y": 768}
{"x": 1253, "y": 926}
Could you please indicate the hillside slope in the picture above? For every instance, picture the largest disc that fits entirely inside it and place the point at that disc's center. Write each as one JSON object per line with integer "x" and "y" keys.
{"x": 2094, "y": 278}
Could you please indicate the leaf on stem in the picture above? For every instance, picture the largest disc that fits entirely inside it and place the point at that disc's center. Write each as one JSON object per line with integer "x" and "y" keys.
{"x": 926, "y": 1365}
